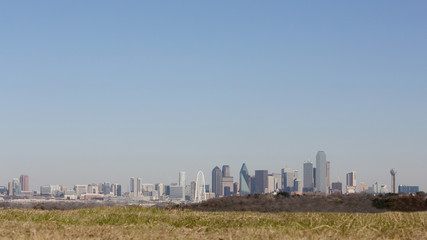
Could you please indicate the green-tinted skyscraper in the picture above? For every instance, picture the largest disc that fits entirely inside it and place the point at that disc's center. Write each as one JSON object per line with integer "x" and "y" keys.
{"x": 16, "y": 187}
{"x": 244, "y": 181}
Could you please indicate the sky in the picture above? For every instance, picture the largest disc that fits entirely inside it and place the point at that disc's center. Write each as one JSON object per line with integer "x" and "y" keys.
{"x": 100, "y": 91}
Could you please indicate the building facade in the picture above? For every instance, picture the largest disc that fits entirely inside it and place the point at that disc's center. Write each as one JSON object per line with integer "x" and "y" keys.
{"x": 261, "y": 180}
{"x": 408, "y": 189}
{"x": 245, "y": 181}
{"x": 337, "y": 187}
{"x": 182, "y": 180}
{"x": 308, "y": 182}
{"x": 177, "y": 193}
{"x": 351, "y": 182}
{"x": 321, "y": 173}
{"x": 135, "y": 187}
{"x": 226, "y": 181}
{"x": 216, "y": 181}
{"x": 24, "y": 181}
{"x": 288, "y": 177}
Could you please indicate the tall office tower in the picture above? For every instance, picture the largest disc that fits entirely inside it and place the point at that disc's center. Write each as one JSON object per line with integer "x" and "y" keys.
{"x": 226, "y": 181}
{"x": 100, "y": 187}
{"x": 193, "y": 187}
{"x": 393, "y": 180}
{"x": 106, "y": 188}
{"x": 135, "y": 186}
{"x": 160, "y": 189}
{"x": 321, "y": 171}
{"x": 314, "y": 178}
{"x": 277, "y": 182}
{"x": 139, "y": 186}
{"x": 245, "y": 181}
{"x": 297, "y": 186}
{"x": 225, "y": 171}
{"x": 10, "y": 188}
{"x": 113, "y": 189}
{"x": 351, "y": 182}
{"x": 288, "y": 176}
{"x": 118, "y": 190}
{"x": 182, "y": 178}
{"x": 92, "y": 188}
{"x": 16, "y": 187}
{"x": 253, "y": 185}
{"x": 216, "y": 181}
{"x": 328, "y": 175}
{"x": 167, "y": 190}
{"x": 23, "y": 179}
{"x": 308, "y": 177}
{"x": 270, "y": 183}
{"x": 261, "y": 179}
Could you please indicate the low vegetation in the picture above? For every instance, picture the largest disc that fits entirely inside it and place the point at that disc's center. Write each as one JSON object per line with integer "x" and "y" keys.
{"x": 406, "y": 203}
{"x": 284, "y": 203}
{"x": 353, "y": 203}
{"x": 154, "y": 223}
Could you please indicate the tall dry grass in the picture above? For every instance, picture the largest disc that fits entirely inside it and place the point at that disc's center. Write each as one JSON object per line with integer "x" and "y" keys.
{"x": 152, "y": 223}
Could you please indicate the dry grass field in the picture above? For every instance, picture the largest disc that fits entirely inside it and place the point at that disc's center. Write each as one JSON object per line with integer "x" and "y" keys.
{"x": 152, "y": 223}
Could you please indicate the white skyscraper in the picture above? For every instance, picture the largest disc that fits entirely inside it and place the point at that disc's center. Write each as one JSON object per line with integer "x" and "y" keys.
{"x": 182, "y": 178}
{"x": 160, "y": 189}
{"x": 288, "y": 176}
{"x": 321, "y": 173}
{"x": 135, "y": 186}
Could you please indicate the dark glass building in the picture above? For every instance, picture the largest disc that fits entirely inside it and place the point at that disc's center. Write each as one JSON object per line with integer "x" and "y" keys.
{"x": 216, "y": 181}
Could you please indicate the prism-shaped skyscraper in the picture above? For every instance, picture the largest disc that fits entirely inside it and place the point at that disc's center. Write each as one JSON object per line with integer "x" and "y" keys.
{"x": 245, "y": 181}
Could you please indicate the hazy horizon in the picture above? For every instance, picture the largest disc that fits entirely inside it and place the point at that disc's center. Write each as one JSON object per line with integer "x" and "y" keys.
{"x": 103, "y": 91}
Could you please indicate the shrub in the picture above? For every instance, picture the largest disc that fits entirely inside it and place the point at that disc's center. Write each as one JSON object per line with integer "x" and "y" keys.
{"x": 282, "y": 194}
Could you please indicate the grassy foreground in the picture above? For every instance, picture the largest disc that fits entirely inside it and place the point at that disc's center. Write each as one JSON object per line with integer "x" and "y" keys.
{"x": 152, "y": 223}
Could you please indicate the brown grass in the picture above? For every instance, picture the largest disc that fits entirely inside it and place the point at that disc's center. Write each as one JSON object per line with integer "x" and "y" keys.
{"x": 152, "y": 223}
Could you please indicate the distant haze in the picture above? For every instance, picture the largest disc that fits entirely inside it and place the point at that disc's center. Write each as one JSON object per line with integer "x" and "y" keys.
{"x": 100, "y": 91}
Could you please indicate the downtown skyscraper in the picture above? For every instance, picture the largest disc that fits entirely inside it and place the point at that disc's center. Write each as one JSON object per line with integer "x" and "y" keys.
{"x": 23, "y": 180}
{"x": 245, "y": 181}
{"x": 288, "y": 177}
{"x": 261, "y": 179}
{"x": 135, "y": 186}
{"x": 226, "y": 181}
{"x": 351, "y": 182}
{"x": 308, "y": 177}
{"x": 216, "y": 181}
{"x": 182, "y": 181}
{"x": 321, "y": 173}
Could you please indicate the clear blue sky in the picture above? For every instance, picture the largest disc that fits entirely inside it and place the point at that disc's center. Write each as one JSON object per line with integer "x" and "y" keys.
{"x": 94, "y": 91}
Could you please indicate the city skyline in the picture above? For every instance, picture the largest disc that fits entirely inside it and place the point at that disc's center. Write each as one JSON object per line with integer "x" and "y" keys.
{"x": 104, "y": 91}
{"x": 289, "y": 177}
